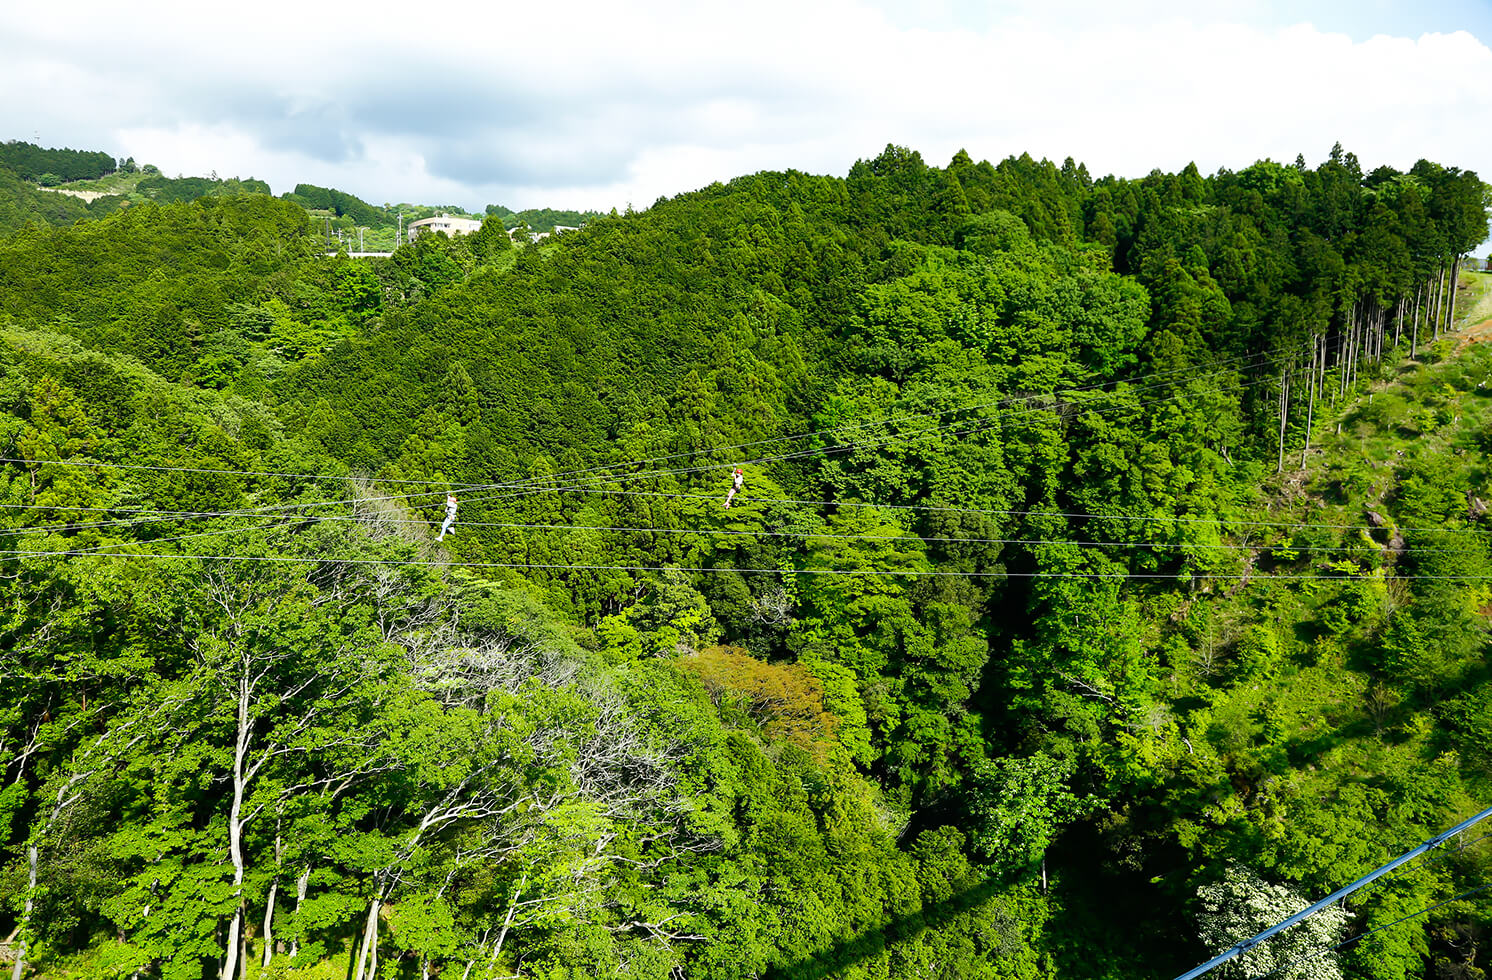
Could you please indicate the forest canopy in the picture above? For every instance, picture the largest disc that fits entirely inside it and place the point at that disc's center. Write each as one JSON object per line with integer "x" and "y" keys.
{"x": 36, "y": 163}
{"x": 1107, "y": 580}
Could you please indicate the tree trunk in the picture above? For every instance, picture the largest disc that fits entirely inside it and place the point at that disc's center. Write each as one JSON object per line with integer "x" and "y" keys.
{"x": 1310, "y": 404}
{"x": 1414, "y": 322}
{"x": 481, "y": 944}
{"x": 1321, "y": 369}
{"x": 1284, "y": 410}
{"x": 33, "y": 857}
{"x": 1430, "y": 301}
{"x": 1354, "y": 364}
{"x": 269, "y": 922}
{"x": 1440, "y": 301}
{"x": 1343, "y": 352}
{"x": 269, "y": 903}
{"x": 301, "y": 885}
{"x": 232, "y": 947}
{"x": 1349, "y": 339}
{"x": 1450, "y": 307}
{"x": 370, "y": 942}
{"x": 33, "y": 861}
{"x": 1355, "y": 361}
{"x": 502, "y": 933}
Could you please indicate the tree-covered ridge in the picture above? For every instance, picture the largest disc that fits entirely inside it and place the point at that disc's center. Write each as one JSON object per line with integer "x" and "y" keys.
{"x": 1106, "y": 580}
{"x": 35, "y": 163}
{"x": 542, "y": 219}
{"x": 22, "y": 204}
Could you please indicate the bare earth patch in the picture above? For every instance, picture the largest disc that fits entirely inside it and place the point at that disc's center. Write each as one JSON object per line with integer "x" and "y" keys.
{"x": 88, "y": 196}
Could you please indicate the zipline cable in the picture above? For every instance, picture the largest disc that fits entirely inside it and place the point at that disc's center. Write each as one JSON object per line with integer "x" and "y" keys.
{"x": 1078, "y": 515}
{"x": 529, "y": 490}
{"x": 159, "y": 516}
{"x": 1242, "y": 362}
{"x": 802, "y": 453}
{"x": 698, "y": 532}
{"x": 825, "y": 450}
{"x": 761, "y": 533}
{"x": 225, "y": 472}
{"x": 1461, "y": 847}
{"x": 1336, "y": 896}
{"x": 999, "y": 420}
{"x": 564, "y": 566}
{"x": 1363, "y": 935}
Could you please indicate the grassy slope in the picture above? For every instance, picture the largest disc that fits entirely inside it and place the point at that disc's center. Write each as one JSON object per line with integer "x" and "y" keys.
{"x": 1474, "y": 303}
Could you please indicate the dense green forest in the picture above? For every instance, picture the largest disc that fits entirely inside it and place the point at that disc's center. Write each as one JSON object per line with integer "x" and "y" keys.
{"x": 1110, "y": 578}
{"x": 50, "y": 166}
{"x": 22, "y": 204}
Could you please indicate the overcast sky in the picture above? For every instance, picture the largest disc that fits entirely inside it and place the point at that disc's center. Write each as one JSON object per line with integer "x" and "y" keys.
{"x": 593, "y": 104}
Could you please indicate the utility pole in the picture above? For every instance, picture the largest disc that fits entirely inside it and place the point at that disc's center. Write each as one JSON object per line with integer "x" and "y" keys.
{"x": 1334, "y": 897}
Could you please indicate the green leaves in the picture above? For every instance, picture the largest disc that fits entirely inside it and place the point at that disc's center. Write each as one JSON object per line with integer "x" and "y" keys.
{"x": 1020, "y": 804}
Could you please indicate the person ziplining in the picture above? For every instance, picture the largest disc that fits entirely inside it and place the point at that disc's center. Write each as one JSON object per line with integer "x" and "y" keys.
{"x": 737, "y": 479}
{"x": 450, "y": 517}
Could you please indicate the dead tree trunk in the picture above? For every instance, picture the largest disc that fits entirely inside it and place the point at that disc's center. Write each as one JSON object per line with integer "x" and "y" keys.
{"x": 1310, "y": 404}
{"x": 1419, "y": 297}
{"x": 1440, "y": 301}
{"x": 1284, "y": 412}
{"x": 1354, "y": 348}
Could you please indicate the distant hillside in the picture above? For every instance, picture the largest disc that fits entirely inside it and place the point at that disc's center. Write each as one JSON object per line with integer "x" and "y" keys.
{"x": 165, "y": 190}
{"x": 21, "y": 203}
{"x": 52, "y": 165}
{"x": 77, "y": 185}
{"x": 340, "y": 203}
{"x": 377, "y": 227}
{"x": 542, "y": 219}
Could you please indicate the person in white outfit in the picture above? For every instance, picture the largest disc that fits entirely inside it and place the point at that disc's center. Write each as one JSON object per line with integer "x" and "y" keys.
{"x": 450, "y": 516}
{"x": 737, "y": 479}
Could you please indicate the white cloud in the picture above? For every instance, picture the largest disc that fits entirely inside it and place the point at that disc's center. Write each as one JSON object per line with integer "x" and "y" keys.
{"x": 598, "y": 103}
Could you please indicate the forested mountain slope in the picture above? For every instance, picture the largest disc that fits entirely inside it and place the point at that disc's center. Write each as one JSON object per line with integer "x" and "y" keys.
{"x": 1110, "y": 575}
{"x": 21, "y": 203}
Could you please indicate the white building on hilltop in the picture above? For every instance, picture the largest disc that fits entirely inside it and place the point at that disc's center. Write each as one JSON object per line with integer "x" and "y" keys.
{"x": 443, "y": 222}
